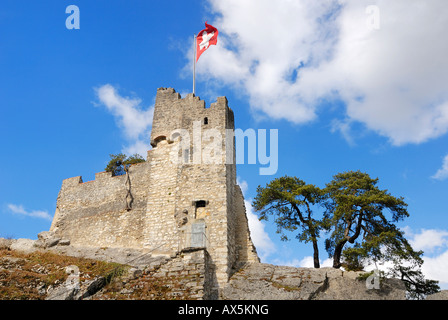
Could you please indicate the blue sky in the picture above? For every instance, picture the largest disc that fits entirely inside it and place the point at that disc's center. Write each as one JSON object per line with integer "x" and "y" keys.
{"x": 348, "y": 88}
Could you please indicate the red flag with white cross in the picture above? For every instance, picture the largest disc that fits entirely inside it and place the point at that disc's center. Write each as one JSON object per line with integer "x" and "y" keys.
{"x": 205, "y": 38}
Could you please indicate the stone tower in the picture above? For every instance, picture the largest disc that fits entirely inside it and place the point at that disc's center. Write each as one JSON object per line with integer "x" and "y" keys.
{"x": 184, "y": 196}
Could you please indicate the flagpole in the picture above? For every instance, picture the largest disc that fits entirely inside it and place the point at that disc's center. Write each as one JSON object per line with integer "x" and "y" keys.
{"x": 194, "y": 64}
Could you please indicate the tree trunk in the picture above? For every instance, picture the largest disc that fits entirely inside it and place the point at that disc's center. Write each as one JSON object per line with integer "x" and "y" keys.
{"x": 337, "y": 254}
{"x": 309, "y": 223}
{"x": 316, "y": 254}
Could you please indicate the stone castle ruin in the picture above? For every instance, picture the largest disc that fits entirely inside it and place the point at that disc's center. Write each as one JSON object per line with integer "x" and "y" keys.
{"x": 164, "y": 206}
{"x": 179, "y": 219}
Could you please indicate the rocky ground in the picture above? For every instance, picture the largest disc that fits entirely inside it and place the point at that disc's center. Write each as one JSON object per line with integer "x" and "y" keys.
{"x": 265, "y": 281}
{"x": 46, "y": 269}
{"x": 30, "y": 272}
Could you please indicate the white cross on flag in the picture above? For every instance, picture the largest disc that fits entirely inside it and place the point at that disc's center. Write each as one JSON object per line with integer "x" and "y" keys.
{"x": 205, "y": 38}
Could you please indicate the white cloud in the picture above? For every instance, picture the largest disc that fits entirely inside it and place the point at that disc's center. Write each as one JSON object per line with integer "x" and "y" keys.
{"x": 20, "y": 210}
{"x": 429, "y": 239}
{"x": 434, "y": 243}
{"x": 138, "y": 147}
{"x": 288, "y": 56}
{"x": 270, "y": 40}
{"x": 442, "y": 173}
{"x": 343, "y": 126}
{"x": 131, "y": 117}
{"x": 259, "y": 236}
{"x": 243, "y": 185}
{"x": 396, "y": 77}
{"x": 435, "y": 268}
{"x": 306, "y": 262}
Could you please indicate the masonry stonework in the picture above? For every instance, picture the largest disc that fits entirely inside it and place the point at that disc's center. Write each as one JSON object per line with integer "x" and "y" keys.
{"x": 184, "y": 196}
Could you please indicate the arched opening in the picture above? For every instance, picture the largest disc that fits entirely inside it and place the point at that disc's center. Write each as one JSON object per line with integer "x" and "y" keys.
{"x": 157, "y": 140}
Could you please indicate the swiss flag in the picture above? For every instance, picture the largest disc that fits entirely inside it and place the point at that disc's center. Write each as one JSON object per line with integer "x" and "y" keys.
{"x": 205, "y": 38}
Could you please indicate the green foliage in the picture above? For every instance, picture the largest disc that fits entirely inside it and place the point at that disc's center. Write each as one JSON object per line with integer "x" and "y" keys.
{"x": 407, "y": 265}
{"x": 365, "y": 275}
{"x": 417, "y": 286}
{"x": 359, "y": 218}
{"x": 119, "y": 163}
{"x": 352, "y": 260}
{"x": 355, "y": 214}
{"x": 290, "y": 200}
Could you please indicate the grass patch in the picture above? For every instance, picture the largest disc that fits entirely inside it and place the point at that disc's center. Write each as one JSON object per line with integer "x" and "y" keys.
{"x": 27, "y": 276}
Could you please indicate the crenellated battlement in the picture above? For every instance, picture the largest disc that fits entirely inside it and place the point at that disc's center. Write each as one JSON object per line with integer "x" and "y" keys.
{"x": 169, "y": 95}
{"x": 103, "y": 176}
{"x": 172, "y": 113}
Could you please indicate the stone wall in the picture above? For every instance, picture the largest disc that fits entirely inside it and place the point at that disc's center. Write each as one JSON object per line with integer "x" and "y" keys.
{"x": 176, "y": 188}
{"x": 185, "y": 185}
{"x": 246, "y": 251}
{"x": 94, "y": 213}
{"x": 189, "y": 274}
{"x": 160, "y": 231}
